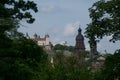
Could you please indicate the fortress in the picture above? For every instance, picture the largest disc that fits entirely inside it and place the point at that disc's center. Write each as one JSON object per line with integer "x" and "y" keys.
{"x": 44, "y": 42}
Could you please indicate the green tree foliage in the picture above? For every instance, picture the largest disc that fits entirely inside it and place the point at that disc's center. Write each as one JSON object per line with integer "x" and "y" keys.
{"x": 8, "y": 31}
{"x": 67, "y": 68}
{"x": 17, "y": 9}
{"x": 11, "y": 12}
{"x": 58, "y": 47}
{"x": 105, "y": 15}
{"x": 20, "y": 58}
{"x": 111, "y": 70}
{"x": 63, "y": 47}
{"x": 23, "y": 62}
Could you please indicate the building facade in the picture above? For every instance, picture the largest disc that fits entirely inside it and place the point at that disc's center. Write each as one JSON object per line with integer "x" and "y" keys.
{"x": 44, "y": 42}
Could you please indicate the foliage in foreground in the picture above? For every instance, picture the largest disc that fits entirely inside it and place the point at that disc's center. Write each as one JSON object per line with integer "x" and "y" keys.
{"x": 105, "y": 16}
{"x": 22, "y": 62}
{"x": 111, "y": 70}
{"x": 66, "y": 68}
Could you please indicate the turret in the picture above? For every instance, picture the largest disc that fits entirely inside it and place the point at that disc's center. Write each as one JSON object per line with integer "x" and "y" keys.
{"x": 47, "y": 39}
{"x": 35, "y": 35}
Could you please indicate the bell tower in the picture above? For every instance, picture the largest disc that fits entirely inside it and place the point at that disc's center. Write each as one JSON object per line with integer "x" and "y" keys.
{"x": 79, "y": 46}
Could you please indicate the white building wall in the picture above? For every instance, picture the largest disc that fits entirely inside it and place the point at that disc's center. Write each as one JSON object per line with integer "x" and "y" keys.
{"x": 44, "y": 42}
{"x": 41, "y": 43}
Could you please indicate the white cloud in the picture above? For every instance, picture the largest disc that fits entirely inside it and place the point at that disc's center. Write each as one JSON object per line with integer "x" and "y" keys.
{"x": 70, "y": 28}
{"x": 49, "y": 8}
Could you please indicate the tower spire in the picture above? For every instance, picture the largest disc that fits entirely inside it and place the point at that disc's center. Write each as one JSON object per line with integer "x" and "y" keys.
{"x": 79, "y": 46}
{"x": 79, "y": 30}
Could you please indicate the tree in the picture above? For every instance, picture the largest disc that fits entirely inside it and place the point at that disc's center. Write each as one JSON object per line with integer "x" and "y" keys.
{"x": 11, "y": 12}
{"x": 111, "y": 69}
{"x": 17, "y": 9}
{"x": 68, "y": 68}
{"x": 63, "y": 47}
{"x": 23, "y": 62}
{"x": 58, "y": 47}
{"x": 105, "y": 15}
{"x": 20, "y": 58}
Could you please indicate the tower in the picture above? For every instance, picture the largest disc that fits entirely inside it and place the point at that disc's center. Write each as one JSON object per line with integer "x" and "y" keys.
{"x": 79, "y": 46}
{"x": 47, "y": 42}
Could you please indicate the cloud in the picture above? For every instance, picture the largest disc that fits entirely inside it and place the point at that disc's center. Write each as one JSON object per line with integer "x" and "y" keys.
{"x": 71, "y": 28}
{"x": 49, "y": 8}
{"x": 68, "y": 30}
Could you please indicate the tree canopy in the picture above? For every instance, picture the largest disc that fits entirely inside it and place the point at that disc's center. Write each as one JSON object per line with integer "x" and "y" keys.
{"x": 111, "y": 69}
{"x": 105, "y": 15}
{"x": 17, "y": 9}
{"x": 105, "y": 21}
{"x": 63, "y": 47}
{"x": 20, "y": 58}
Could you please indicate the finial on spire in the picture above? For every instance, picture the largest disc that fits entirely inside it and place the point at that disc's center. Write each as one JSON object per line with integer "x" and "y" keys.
{"x": 35, "y": 35}
{"x": 79, "y": 30}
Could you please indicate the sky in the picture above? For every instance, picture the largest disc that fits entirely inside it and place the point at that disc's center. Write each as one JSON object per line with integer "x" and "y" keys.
{"x": 61, "y": 20}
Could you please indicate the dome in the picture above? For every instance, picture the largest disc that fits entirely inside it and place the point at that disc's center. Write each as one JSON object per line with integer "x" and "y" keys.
{"x": 79, "y": 36}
